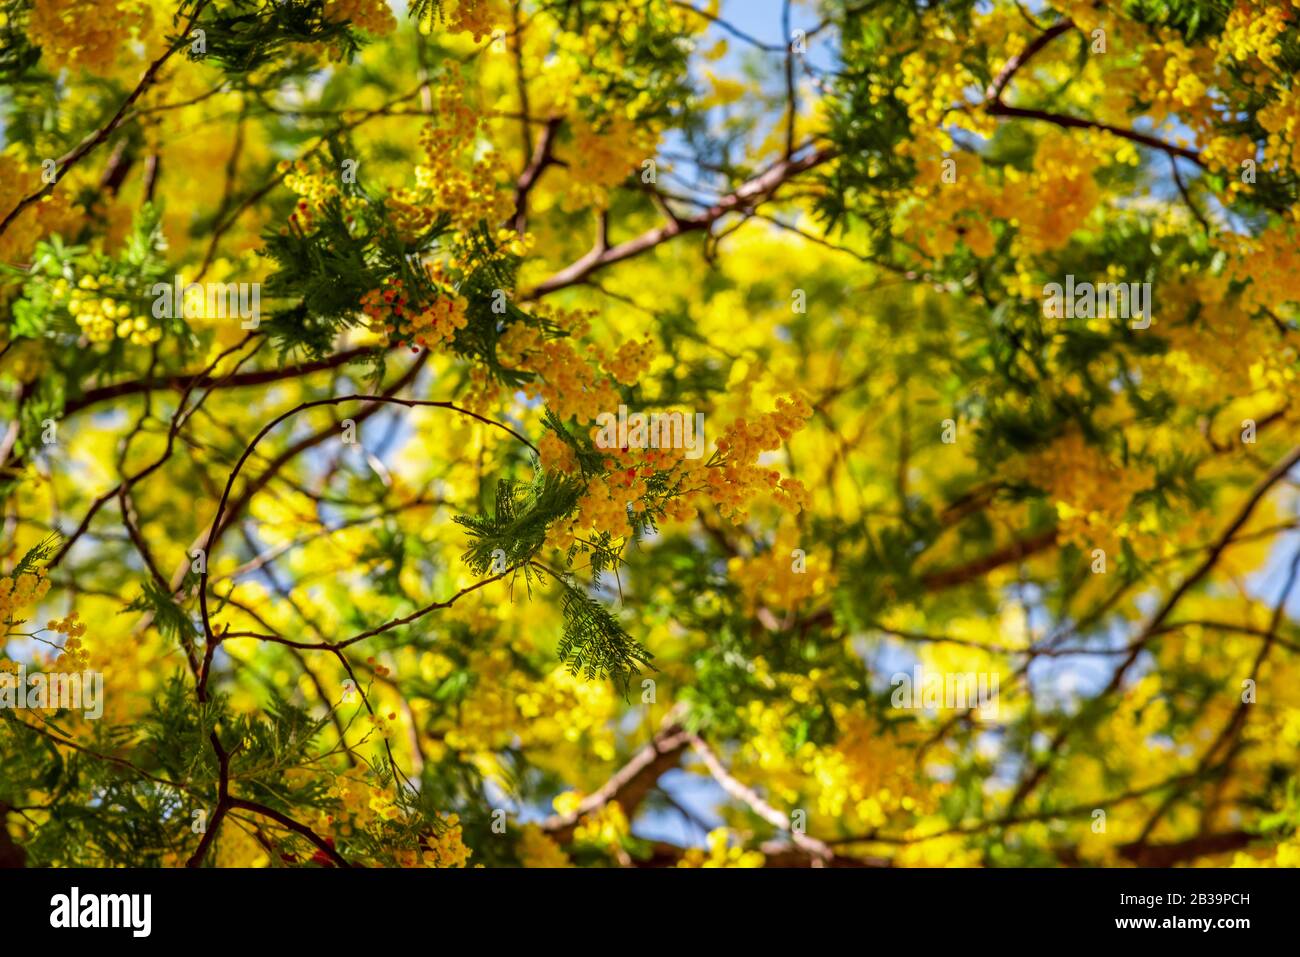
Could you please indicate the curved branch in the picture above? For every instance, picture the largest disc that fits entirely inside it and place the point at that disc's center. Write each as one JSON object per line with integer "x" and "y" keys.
{"x": 745, "y": 197}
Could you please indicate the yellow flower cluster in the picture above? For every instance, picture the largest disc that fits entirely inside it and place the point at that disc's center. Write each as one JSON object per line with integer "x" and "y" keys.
{"x": 603, "y": 506}
{"x": 1046, "y": 205}
{"x": 506, "y": 705}
{"x": 74, "y": 656}
{"x": 101, "y": 317}
{"x": 439, "y": 321}
{"x": 938, "y": 86}
{"x": 928, "y": 92}
{"x": 631, "y": 360}
{"x": 455, "y": 123}
{"x": 867, "y": 775}
{"x": 475, "y": 195}
{"x": 1055, "y": 198}
{"x": 555, "y": 454}
{"x": 864, "y": 779}
{"x": 730, "y": 484}
{"x": 435, "y": 324}
{"x": 316, "y": 186}
{"x": 739, "y": 478}
{"x": 605, "y": 502}
{"x": 483, "y": 390}
{"x": 1092, "y": 493}
{"x": 21, "y": 592}
{"x": 365, "y": 806}
{"x": 956, "y": 211}
{"x": 569, "y": 384}
{"x": 1215, "y": 346}
{"x": 410, "y": 216}
{"x": 719, "y": 854}
{"x": 385, "y": 725}
{"x": 602, "y": 156}
{"x": 1281, "y": 119}
{"x": 372, "y": 16}
{"x": 1173, "y": 77}
{"x": 51, "y": 214}
{"x": 444, "y": 849}
{"x": 1201, "y": 85}
{"x": 935, "y": 89}
{"x": 536, "y": 849}
{"x": 570, "y": 72}
{"x": 606, "y": 827}
{"x": 474, "y": 17}
{"x": 781, "y": 577}
{"x": 1271, "y": 261}
{"x": 1252, "y": 31}
{"x": 352, "y": 792}
{"x": 450, "y": 178}
{"x": 1162, "y": 79}
{"x": 86, "y": 33}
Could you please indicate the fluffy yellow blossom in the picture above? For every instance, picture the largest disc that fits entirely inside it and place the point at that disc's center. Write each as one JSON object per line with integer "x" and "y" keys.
{"x": 373, "y": 16}
{"x": 21, "y": 592}
{"x": 1090, "y": 490}
{"x": 719, "y": 854}
{"x": 89, "y": 34}
{"x": 606, "y": 827}
{"x": 536, "y": 849}
{"x": 784, "y": 576}
{"x": 603, "y": 156}
{"x": 52, "y": 213}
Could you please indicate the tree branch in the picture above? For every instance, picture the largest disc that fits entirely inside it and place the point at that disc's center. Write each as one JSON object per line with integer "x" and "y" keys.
{"x": 745, "y": 197}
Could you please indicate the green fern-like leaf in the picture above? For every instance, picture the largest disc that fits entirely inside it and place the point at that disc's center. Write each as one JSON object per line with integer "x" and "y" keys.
{"x": 517, "y": 531}
{"x": 595, "y": 643}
